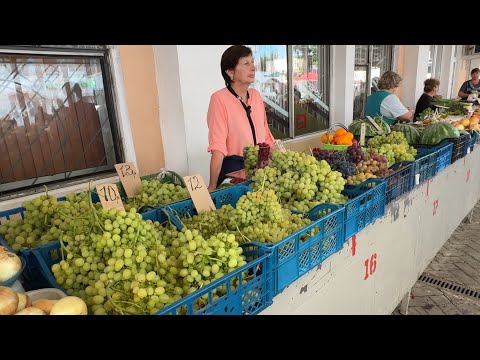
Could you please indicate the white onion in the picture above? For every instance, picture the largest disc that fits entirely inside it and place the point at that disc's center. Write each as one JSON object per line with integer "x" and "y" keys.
{"x": 69, "y": 305}
{"x": 8, "y": 301}
{"x": 23, "y": 301}
{"x": 10, "y": 265}
{"x": 31, "y": 311}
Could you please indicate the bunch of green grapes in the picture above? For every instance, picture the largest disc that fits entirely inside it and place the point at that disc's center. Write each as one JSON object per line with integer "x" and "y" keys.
{"x": 250, "y": 157}
{"x": 45, "y": 219}
{"x": 209, "y": 223}
{"x": 153, "y": 193}
{"x": 120, "y": 246}
{"x": 394, "y": 147}
{"x": 301, "y": 181}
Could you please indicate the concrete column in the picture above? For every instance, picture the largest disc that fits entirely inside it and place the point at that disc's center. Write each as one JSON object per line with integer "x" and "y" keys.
{"x": 172, "y": 122}
{"x": 447, "y": 70}
{"x": 341, "y": 104}
{"x": 415, "y": 72}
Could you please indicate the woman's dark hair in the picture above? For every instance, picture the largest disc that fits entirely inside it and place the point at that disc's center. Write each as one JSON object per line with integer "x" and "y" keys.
{"x": 230, "y": 59}
{"x": 475, "y": 70}
{"x": 430, "y": 84}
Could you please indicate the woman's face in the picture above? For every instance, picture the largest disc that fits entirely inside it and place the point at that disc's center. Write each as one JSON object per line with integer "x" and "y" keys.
{"x": 475, "y": 76}
{"x": 244, "y": 72}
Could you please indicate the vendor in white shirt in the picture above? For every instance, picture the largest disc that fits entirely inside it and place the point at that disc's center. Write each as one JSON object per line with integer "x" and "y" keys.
{"x": 385, "y": 102}
{"x": 470, "y": 85}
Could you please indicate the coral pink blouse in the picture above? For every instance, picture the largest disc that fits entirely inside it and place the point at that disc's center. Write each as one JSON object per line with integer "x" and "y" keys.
{"x": 228, "y": 125}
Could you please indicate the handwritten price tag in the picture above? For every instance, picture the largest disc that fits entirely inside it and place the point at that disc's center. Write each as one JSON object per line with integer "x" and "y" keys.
{"x": 362, "y": 134}
{"x": 16, "y": 216}
{"x": 374, "y": 123}
{"x": 129, "y": 177}
{"x": 109, "y": 196}
{"x": 199, "y": 193}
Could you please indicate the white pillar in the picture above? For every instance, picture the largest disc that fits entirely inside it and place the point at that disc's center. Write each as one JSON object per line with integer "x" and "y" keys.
{"x": 172, "y": 122}
{"x": 341, "y": 103}
{"x": 447, "y": 70}
{"x": 414, "y": 74}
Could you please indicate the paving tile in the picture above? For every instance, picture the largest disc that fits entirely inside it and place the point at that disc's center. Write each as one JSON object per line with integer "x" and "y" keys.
{"x": 425, "y": 291}
{"x": 416, "y": 311}
{"x": 445, "y": 304}
{"x": 467, "y": 269}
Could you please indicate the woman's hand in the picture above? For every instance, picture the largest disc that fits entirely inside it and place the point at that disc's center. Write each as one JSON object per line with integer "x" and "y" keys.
{"x": 211, "y": 188}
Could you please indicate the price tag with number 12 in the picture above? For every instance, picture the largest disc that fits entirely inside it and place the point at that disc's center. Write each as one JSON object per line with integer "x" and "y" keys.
{"x": 199, "y": 193}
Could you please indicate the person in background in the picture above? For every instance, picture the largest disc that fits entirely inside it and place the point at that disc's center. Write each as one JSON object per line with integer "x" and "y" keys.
{"x": 385, "y": 102}
{"x": 236, "y": 115}
{"x": 430, "y": 90}
{"x": 470, "y": 85}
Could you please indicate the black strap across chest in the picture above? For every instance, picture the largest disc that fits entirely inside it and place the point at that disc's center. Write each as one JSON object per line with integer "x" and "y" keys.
{"x": 247, "y": 109}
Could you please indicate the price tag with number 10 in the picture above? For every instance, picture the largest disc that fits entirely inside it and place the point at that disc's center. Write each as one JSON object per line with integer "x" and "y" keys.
{"x": 199, "y": 193}
{"x": 109, "y": 196}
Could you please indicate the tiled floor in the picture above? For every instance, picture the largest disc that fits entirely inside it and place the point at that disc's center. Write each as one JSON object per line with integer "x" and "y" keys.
{"x": 457, "y": 262}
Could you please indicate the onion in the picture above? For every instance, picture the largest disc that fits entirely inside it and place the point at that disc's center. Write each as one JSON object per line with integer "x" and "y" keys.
{"x": 44, "y": 304}
{"x": 69, "y": 305}
{"x": 23, "y": 301}
{"x": 30, "y": 311}
{"x": 8, "y": 301}
{"x": 10, "y": 265}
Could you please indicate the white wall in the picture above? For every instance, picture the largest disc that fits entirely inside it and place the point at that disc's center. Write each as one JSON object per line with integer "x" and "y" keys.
{"x": 199, "y": 77}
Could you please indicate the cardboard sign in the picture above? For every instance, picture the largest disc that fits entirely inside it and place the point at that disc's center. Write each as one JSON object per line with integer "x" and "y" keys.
{"x": 199, "y": 193}
{"x": 363, "y": 127}
{"x": 109, "y": 196}
{"x": 375, "y": 124}
{"x": 129, "y": 177}
{"x": 3, "y": 220}
{"x": 16, "y": 216}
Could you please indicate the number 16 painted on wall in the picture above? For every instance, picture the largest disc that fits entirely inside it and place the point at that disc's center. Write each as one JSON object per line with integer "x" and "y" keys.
{"x": 370, "y": 266}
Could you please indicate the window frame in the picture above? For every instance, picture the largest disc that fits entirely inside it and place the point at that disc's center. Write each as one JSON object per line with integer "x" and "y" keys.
{"x": 104, "y": 55}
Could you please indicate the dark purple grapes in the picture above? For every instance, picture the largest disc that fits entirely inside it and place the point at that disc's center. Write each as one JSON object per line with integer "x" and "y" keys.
{"x": 356, "y": 154}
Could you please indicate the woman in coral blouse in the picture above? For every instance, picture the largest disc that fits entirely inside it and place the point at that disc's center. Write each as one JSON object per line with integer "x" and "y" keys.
{"x": 236, "y": 115}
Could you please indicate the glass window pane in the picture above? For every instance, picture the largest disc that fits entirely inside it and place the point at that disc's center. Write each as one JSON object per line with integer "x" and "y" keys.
{"x": 311, "y": 87}
{"x": 359, "y": 82}
{"x": 271, "y": 81}
{"x": 53, "y": 120}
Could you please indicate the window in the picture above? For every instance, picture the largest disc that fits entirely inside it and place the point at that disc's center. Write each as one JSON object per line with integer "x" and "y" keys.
{"x": 56, "y": 118}
{"x": 295, "y": 84}
{"x": 371, "y": 61}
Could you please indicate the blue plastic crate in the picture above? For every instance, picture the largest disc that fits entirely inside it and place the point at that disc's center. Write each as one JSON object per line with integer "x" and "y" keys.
{"x": 473, "y": 140}
{"x": 185, "y": 208}
{"x": 424, "y": 166}
{"x": 31, "y": 278}
{"x": 443, "y": 151}
{"x": 292, "y": 257}
{"x": 302, "y": 251}
{"x": 399, "y": 182}
{"x": 444, "y": 156}
{"x": 366, "y": 204}
{"x": 247, "y": 299}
